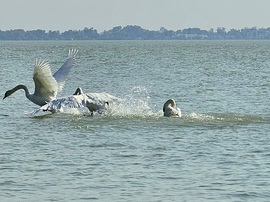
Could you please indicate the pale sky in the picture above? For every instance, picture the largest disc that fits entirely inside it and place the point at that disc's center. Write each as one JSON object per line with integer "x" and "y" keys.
{"x": 103, "y": 15}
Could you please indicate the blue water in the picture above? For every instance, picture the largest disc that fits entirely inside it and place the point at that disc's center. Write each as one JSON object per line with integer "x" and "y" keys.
{"x": 218, "y": 151}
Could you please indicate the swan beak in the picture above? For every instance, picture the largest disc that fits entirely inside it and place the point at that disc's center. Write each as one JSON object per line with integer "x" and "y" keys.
{"x": 6, "y": 95}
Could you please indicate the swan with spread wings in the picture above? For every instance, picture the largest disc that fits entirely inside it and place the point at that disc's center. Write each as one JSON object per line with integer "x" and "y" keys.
{"x": 95, "y": 102}
{"x": 47, "y": 85}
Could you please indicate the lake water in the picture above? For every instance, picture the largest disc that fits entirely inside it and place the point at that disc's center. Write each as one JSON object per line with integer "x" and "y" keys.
{"x": 218, "y": 151}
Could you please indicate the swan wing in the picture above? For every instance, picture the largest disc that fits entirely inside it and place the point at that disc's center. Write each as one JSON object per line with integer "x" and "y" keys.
{"x": 45, "y": 84}
{"x": 94, "y": 102}
{"x": 61, "y": 75}
{"x": 74, "y": 101}
{"x": 102, "y": 97}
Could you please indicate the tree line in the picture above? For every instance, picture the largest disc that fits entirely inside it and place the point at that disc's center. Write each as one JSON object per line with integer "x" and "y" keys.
{"x": 133, "y": 32}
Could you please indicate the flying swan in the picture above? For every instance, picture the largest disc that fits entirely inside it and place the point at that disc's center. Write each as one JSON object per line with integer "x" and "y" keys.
{"x": 93, "y": 101}
{"x": 47, "y": 85}
{"x": 170, "y": 109}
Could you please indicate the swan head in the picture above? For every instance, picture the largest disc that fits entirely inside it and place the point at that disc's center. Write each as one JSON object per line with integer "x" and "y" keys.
{"x": 78, "y": 91}
{"x": 8, "y": 93}
{"x": 13, "y": 90}
{"x": 170, "y": 109}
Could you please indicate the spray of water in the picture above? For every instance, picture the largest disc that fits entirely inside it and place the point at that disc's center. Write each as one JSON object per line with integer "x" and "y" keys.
{"x": 133, "y": 104}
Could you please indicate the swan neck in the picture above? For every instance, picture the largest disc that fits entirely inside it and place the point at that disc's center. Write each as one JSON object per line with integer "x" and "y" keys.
{"x": 23, "y": 87}
{"x": 169, "y": 102}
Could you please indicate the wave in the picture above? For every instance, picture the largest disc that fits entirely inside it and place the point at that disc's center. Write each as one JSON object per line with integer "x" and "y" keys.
{"x": 228, "y": 118}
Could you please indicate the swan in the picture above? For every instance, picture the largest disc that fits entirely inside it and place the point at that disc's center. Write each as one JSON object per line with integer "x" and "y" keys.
{"x": 170, "y": 109}
{"x": 93, "y": 101}
{"x": 47, "y": 85}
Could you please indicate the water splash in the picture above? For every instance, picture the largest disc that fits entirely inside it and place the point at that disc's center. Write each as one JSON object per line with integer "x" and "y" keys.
{"x": 137, "y": 104}
{"x": 134, "y": 104}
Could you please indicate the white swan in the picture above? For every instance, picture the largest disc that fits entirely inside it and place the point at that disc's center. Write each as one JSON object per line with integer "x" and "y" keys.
{"x": 93, "y": 101}
{"x": 170, "y": 109}
{"x": 47, "y": 85}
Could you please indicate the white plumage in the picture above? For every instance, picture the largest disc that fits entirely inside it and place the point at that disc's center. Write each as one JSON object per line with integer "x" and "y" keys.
{"x": 95, "y": 102}
{"x": 170, "y": 109}
{"x": 47, "y": 85}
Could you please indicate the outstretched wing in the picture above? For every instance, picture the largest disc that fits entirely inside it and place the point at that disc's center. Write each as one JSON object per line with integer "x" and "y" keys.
{"x": 94, "y": 102}
{"x": 74, "y": 101}
{"x": 45, "y": 84}
{"x": 99, "y": 102}
{"x": 61, "y": 75}
{"x": 102, "y": 97}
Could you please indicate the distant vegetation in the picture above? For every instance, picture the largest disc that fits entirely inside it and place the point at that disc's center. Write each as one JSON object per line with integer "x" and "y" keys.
{"x": 132, "y": 32}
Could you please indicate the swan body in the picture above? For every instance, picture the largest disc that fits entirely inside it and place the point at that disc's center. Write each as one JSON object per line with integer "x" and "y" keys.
{"x": 47, "y": 85}
{"x": 170, "y": 109}
{"x": 93, "y": 101}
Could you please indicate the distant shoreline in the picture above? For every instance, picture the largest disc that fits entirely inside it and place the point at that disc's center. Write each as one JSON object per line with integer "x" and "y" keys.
{"x": 134, "y": 32}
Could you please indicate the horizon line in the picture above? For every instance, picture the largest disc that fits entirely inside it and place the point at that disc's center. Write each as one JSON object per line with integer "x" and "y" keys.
{"x": 162, "y": 27}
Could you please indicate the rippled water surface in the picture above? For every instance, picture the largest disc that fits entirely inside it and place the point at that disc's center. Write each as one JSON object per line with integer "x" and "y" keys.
{"x": 218, "y": 151}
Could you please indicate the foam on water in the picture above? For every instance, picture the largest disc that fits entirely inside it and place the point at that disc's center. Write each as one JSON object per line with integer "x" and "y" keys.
{"x": 226, "y": 118}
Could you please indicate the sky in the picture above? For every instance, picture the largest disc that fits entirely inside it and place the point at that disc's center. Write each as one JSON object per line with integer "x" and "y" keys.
{"x": 103, "y": 15}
